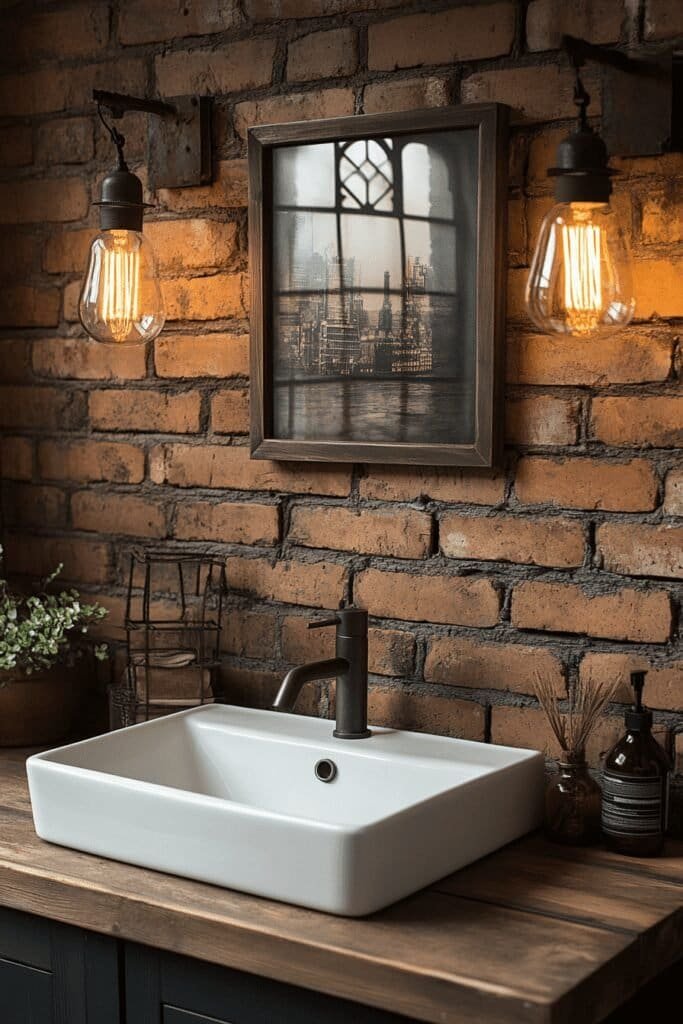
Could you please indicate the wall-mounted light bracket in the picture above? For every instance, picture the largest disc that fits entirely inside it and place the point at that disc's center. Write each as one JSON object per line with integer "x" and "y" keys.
{"x": 642, "y": 97}
{"x": 178, "y": 138}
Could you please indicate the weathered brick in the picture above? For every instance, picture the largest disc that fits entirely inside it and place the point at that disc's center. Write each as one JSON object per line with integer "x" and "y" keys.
{"x": 205, "y": 298}
{"x": 329, "y": 54}
{"x": 228, "y": 189}
{"x": 529, "y": 728}
{"x": 643, "y": 422}
{"x": 253, "y": 689}
{"x": 275, "y": 10}
{"x": 117, "y": 513}
{"x": 662, "y": 223}
{"x": 664, "y": 678}
{"x": 62, "y": 33}
{"x": 154, "y": 21}
{"x": 516, "y": 300}
{"x": 248, "y": 634}
{"x": 227, "y": 466}
{"x": 399, "y": 708}
{"x": 663, "y": 19}
{"x": 542, "y": 420}
{"x": 548, "y": 20}
{"x": 517, "y": 233}
{"x": 41, "y": 408}
{"x": 16, "y": 458}
{"x": 406, "y": 94}
{"x": 636, "y": 549}
{"x": 622, "y": 614}
{"x": 91, "y": 461}
{"x": 391, "y": 652}
{"x": 154, "y": 411}
{"x": 49, "y": 89}
{"x": 15, "y": 365}
{"x": 87, "y": 360}
{"x": 657, "y": 287}
{"x": 442, "y": 38}
{"x": 16, "y": 146}
{"x": 18, "y": 253}
{"x": 400, "y": 534}
{"x": 70, "y": 301}
{"x": 503, "y": 538}
{"x": 673, "y": 493}
{"x": 678, "y": 754}
{"x": 465, "y": 486}
{"x": 84, "y": 560}
{"x": 629, "y": 357}
{"x": 461, "y": 601}
{"x": 57, "y": 199}
{"x": 65, "y": 141}
{"x": 230, "y": 411}
{"x": 242, "y": 65}
{"x": 304, "y": 106}
{"x": 203, "y": 355}
{"x": 25, "y": 306}
{"x": 28, "y": 505}
{"x": 230, "y": 522}
{"x": 318, "y": 584}
{"x": 459, "y": 661}
{"x": 587, "y": 483}
{"x": 542, "y": 93}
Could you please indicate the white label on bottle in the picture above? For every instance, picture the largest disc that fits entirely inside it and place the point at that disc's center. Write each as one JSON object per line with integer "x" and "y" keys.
{"x": 633, "y": 805}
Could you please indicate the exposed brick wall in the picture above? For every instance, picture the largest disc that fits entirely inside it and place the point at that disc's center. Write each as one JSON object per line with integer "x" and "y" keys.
{"x": 563, "y": 561}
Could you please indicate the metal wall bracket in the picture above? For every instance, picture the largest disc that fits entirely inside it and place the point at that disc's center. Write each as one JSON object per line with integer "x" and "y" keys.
{"x": 179, "y": 147}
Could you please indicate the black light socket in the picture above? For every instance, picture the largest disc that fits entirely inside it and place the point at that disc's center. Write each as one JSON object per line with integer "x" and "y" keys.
{"x": 582, "y": 174}
{"x": 121, "y": 205}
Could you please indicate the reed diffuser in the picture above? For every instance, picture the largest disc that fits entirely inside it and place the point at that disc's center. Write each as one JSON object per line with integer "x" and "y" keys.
{"x": 573, "y": 797}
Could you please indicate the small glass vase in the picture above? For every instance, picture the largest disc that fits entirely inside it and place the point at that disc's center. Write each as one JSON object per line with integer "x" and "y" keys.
{"x": 572, "y": 803}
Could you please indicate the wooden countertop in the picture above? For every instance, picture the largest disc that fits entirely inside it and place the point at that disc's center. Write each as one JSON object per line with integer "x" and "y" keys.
{"x": 532, "y": 933}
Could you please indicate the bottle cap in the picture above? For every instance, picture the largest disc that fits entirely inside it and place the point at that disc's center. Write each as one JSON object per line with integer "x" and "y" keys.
{"x": 638, "y": 719}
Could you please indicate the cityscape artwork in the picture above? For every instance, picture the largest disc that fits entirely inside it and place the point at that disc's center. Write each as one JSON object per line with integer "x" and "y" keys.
{"x": 375, "y": 289}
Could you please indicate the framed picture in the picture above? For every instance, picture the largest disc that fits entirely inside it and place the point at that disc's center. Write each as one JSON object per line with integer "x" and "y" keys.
{"x": 377, "y": 259}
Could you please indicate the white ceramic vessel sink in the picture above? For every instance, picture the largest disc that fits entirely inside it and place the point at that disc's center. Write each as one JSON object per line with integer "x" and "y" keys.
{"x": 230, "y": 796}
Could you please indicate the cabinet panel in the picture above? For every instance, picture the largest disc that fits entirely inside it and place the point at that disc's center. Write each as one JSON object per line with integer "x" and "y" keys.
{"x": 26, "y": 994}
{"x": 172, "y": 1015}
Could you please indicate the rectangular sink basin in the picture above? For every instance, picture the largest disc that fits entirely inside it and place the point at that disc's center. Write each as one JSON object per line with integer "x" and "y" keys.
{"x": 232, "y": 796}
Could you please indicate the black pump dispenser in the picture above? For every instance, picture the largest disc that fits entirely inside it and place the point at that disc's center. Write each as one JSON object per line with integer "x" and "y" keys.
{"x": 638, "y": 718}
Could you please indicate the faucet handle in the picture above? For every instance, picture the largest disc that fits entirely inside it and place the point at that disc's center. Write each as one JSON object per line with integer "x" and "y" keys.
{"x": 319, "y": 623}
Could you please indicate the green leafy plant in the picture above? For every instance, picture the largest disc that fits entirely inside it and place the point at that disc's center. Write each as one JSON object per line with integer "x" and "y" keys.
{"x": 44, "y": 629}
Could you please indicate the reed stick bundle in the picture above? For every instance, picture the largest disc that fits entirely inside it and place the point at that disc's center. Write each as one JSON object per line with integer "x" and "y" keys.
{"x": 587, "y": 701}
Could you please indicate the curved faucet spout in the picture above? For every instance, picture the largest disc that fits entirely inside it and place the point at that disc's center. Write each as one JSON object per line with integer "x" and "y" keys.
{"x": 297, "y": 677}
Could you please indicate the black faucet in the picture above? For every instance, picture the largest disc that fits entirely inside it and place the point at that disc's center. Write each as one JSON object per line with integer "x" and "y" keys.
{"x": 349, "y": 667}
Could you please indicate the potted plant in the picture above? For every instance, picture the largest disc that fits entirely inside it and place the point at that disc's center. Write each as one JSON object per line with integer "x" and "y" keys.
{"x": 41, "y": 644}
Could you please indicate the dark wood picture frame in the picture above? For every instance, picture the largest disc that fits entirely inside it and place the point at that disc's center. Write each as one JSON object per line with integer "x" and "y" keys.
{"x": 491, "y": 122}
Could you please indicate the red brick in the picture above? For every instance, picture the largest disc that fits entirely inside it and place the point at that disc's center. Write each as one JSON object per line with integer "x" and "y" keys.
{"x": 517, "y": 233}
{"x": 322, "y": 55}
{"x": 462, "y": 601}
{"x": 158, "y": 412}
{"x": 391, "y": 652}
{"x": 529, "y": 728}
{"x": 622, "y": 614}
{"x": 678, "y": 762}
{"x": 154, "y": 21}
{"x": 15, "y": 361}
{"x": 406, "y": 94}
{"x": 16, "y": 146}
{"x": 318, "y": 584}
{"x": 26, "y": 306}
{"x": 661, "y": 218}
{"x": 203, "y": 355}
{"x": 91, "y": 461}
{"x": 400, "y": 534}
{"x": 543, "y": 93}
{"x": 253, "y": 689}
{"x": 400, "y": 708}
{"x": 673, "y": 493}
{"x": 542, "y": 420}
{"x": 228, "y": 522}
{"x": 465, "y": 486}
{"x": 657, "y": 287}
{"x": 248, "y": 634}
{"x": 663, "y": 19}
{"x": 503, "y": 538}
{"x": 303, "y": 106}
{"x": 548, "y": 20}
{"x": 70, "y": 300}
{"x": 638, "y": 422}
{"x": 41, "y": 408}
{"x": 664, "y": 684}
{"x": 229, "y": 189}
{"x": 16, "y": 458}
{"x": 27, "y": 505}
{"x": 443, "y": 38}
{"x": 274, "y": 10}
{"x": 51, "y": 89}
{"x": 459, "y": 661}
{"x": 230, "y": 411}
{"x": 242, "y": 65}
{"x": 205, "y": 298}
{"x": 227, "y": 466}
{"x": 57, "y": 199}
{"x": 117, "y": 513}
{"x": 18, "y": 253}
{"x": 198, "y": 244}
{"x": 84, "y": 560}
{"x": 84, "y": 359}
{"x": 629, "y": 357}
{"x": 638, "y": 550}
{"x": 65, "y": 141}
{"x": 587, "y": 483}
{"x": 62, "y": 33}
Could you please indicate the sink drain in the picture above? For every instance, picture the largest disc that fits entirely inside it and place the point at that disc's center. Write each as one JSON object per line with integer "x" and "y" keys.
{"x": 325, "y": 770}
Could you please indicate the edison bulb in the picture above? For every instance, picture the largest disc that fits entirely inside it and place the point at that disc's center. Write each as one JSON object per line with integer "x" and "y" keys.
{"x": 121, "y": 300}
{"x": 580, "y": 279}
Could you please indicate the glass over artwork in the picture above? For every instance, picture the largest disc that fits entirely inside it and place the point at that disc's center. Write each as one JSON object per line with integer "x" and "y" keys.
{"x": 374, "y": 289}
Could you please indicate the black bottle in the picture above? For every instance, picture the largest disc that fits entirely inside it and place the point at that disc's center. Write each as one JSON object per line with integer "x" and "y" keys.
{"x": 635, "y": 786}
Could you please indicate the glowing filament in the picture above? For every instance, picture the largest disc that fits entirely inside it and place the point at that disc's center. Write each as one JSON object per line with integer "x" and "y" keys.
{"x": 120, "y": 292}
{"x": 581, "y": 246}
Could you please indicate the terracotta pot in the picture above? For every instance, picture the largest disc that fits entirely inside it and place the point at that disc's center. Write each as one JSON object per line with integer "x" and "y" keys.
{"x": 40, "y": 709}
